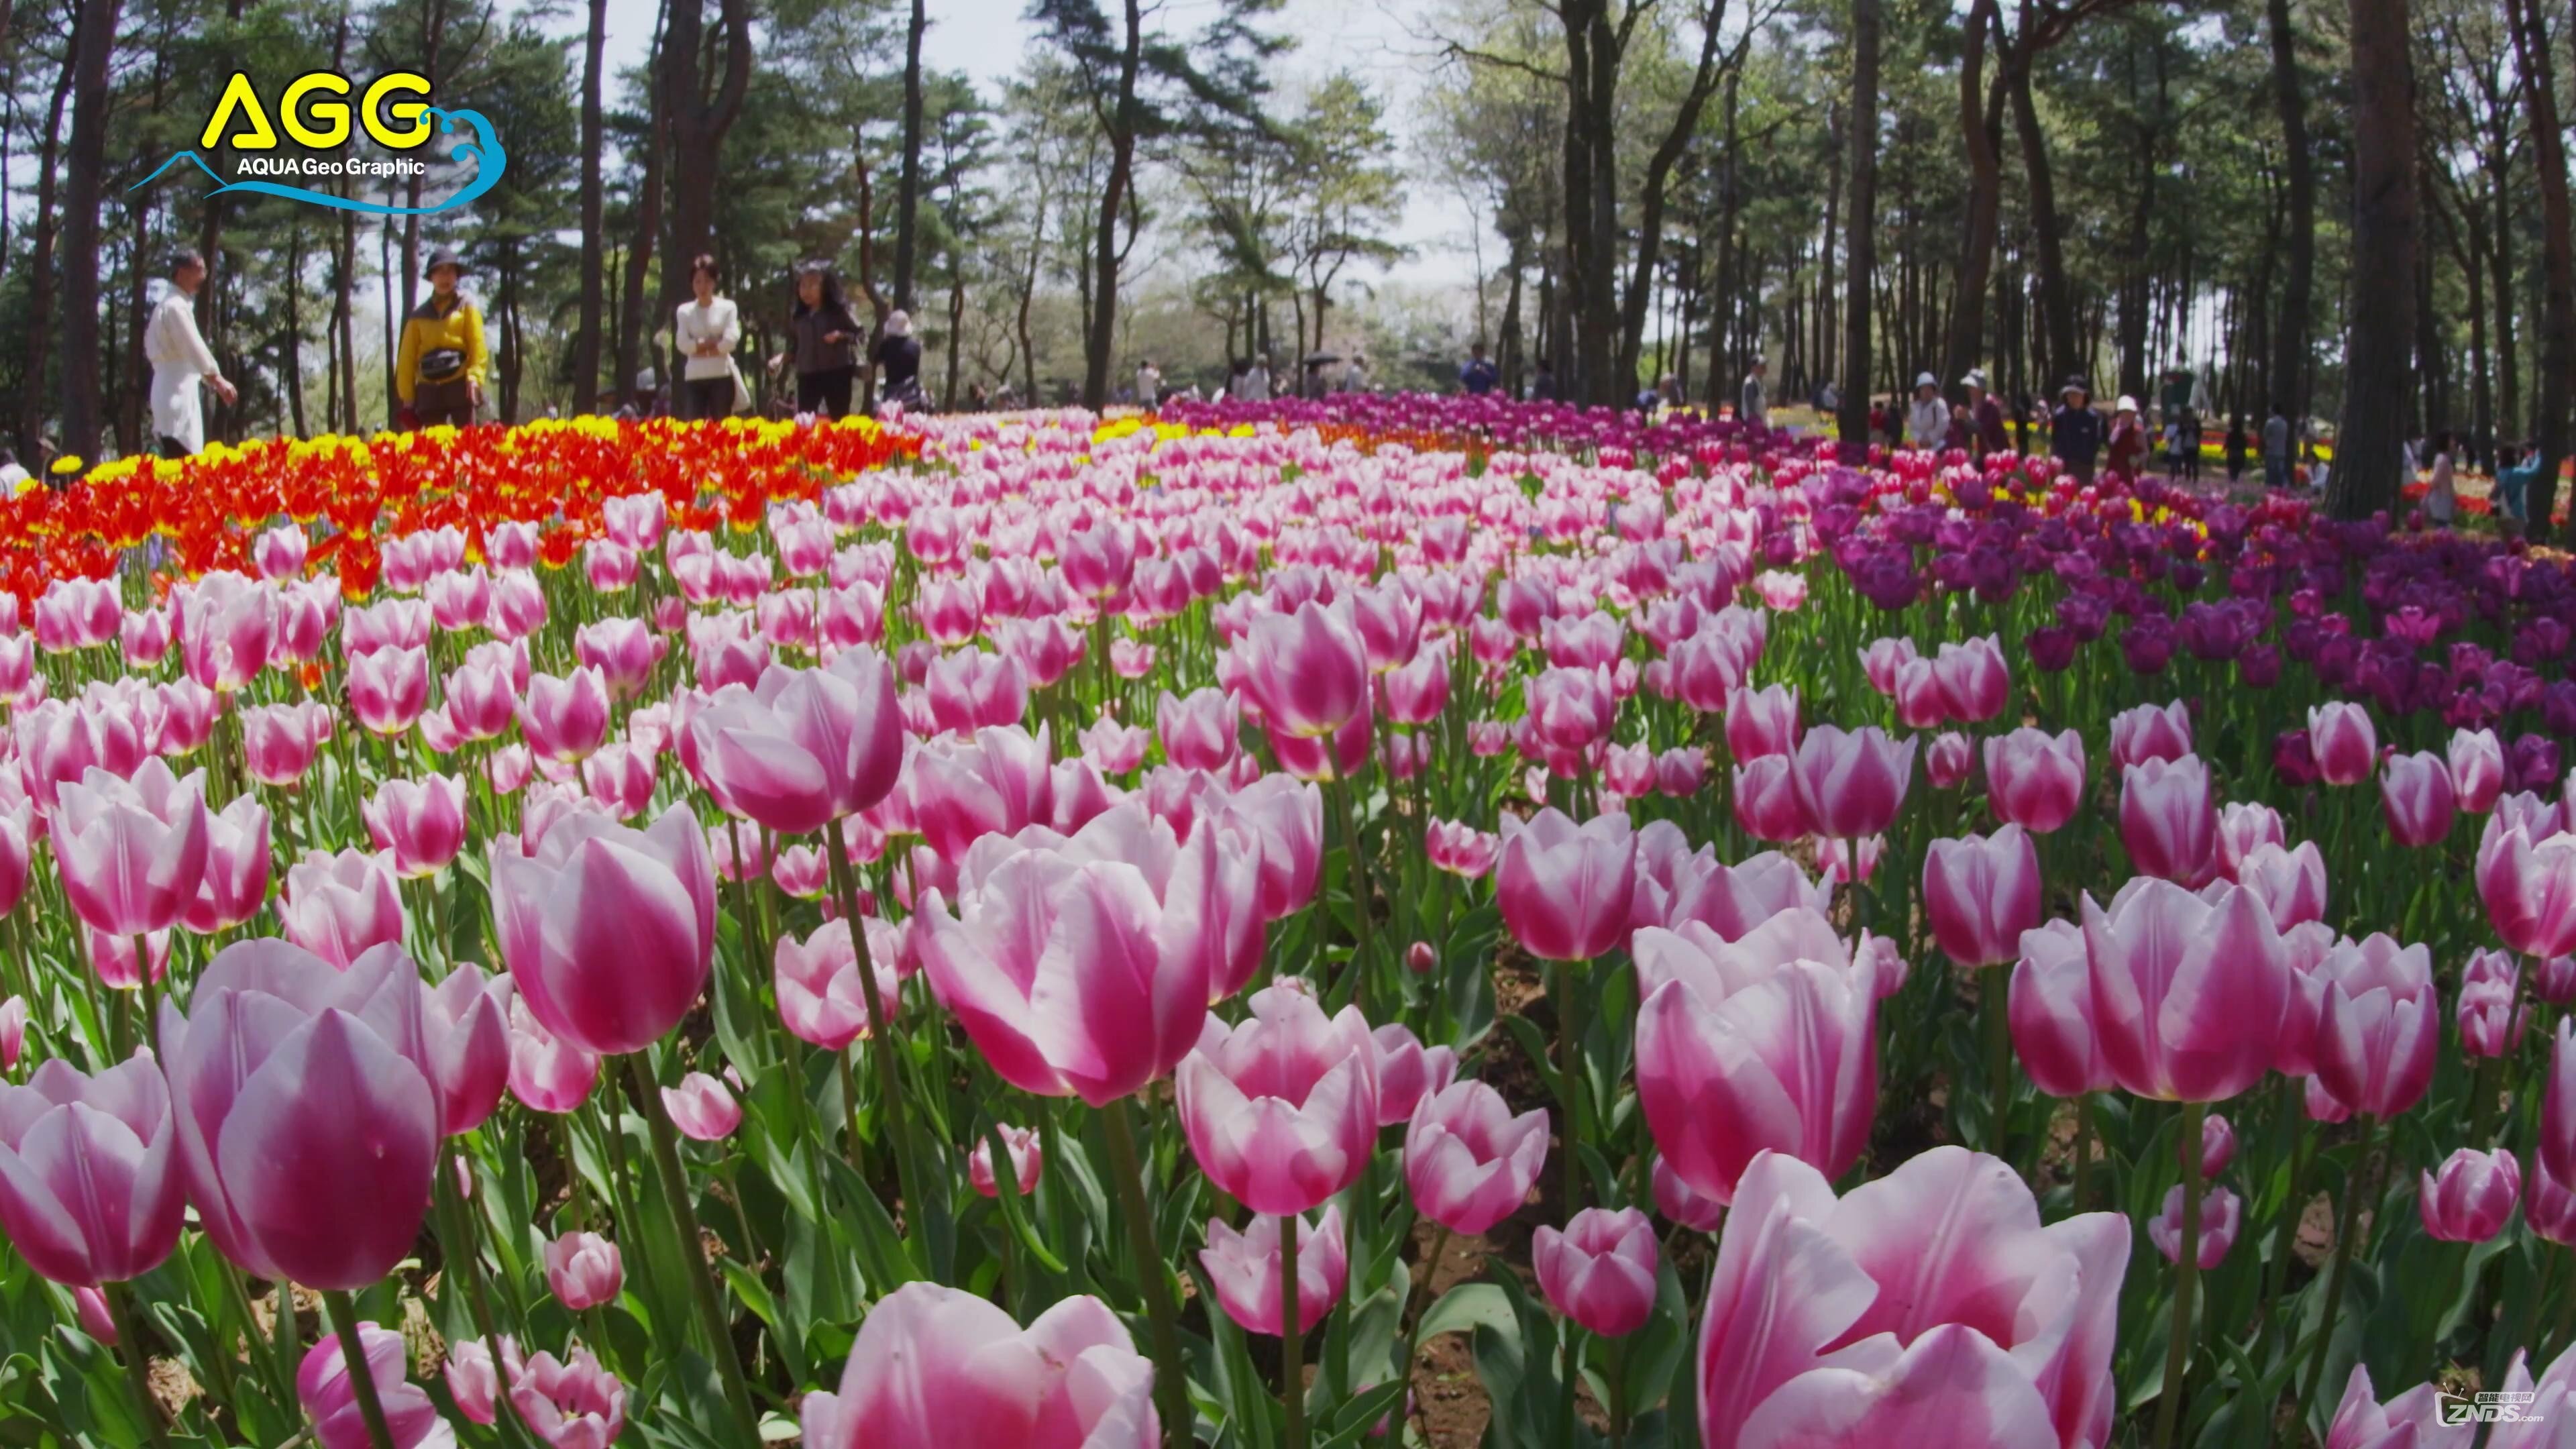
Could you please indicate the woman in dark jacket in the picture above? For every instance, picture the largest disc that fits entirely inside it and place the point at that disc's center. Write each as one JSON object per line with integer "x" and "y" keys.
{"x": 823, "y": 342}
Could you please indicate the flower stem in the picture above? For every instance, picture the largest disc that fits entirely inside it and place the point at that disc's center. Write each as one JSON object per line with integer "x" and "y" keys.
{"x": 1363, "y": 963}
{"x": 1292, "y": 1336}
{"x": 353, "y": 1352}
{"x": 1170, "y": 1388}
{"x": 2083, "y": 1149}
{"x": 881, "y": 1044}
{"x": 1569, "y": 1069}
{"x": 2186, "y": 1279}
{"x": 2348, "y": 1231}
{"x": 1418, "y": 1307}
{"x": 120, "y": 1308}
{"x": 1998, "y": 1059}
{"x": 693, "y": 1249}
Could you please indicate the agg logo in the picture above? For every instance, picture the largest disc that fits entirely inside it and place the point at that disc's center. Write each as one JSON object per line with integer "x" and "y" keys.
{"x": 314, "y": 111}
{"x": 2488, "y": 1408}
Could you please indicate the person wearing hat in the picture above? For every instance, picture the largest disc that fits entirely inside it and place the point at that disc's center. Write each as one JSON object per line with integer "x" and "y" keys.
{"x": 2075, "y": 430}
{"x": 898, "y": 359}
{"x": 180, "y": 361}
{"x": 439, "y": 370}
{"x": 1753, "y": 405}
{"x": 2128, "y": 441}
{"x": 1927, "y": 418}
{"x": 1985, "y": 418}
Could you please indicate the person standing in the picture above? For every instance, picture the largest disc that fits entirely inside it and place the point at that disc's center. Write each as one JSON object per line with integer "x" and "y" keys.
{"x": 898, "y": 360}
{"x": 1985, "y": 418}
{"x": 2127, "y": 446}
{"x": 1149, "y": 383}
{"x": 823, "y": 342}
{"x": 1355, "y": 373}
{"x": 1477, "y": 375}
{"x": 1542, "y": 386}
{"x": 2441, "y": 495}
{"x": 1256, "y": 380}
{"x": 2276, "y": 449}
{"x": 439, "y": 369}
{"x": 181, "y": 361}
{"x": 2075, "y": 430}
{"x": 1753, "y": 403}
{"x": 2517, "y": 468}
{"x": 706, "y": 330}
{"x": 1927, "y": 418}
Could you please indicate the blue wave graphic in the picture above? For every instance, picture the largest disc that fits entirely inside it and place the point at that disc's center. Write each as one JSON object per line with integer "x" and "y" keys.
{"x": 484, "y": 150}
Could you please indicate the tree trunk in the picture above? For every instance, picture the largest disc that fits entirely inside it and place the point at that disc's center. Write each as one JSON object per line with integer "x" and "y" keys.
{"x": 2549, "y": 156}
{"x": 1967, "y": 333}
{"x": 1101, "y": 337}
{"x": 290, "y": 347}
{"x": 2381, "y": 333}
{"x": 2508, "y": 355}
{"x": 93, "y": 38}
{"x": 2064, "y": 356}
{"x": 594, "y": 240}
{"x": 2482, "y": 417}
{"x": 697, "y": 122}
{"x": 1861, "y": 228}
{"x": 1650, "y": 200}
{"x": 634, "y": 332}
{"x": 907, "y": 201}
{"x": 2287, "y": 382}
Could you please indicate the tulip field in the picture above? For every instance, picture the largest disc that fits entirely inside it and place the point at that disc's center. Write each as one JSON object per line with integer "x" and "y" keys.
{"x": 1393, "y": 921}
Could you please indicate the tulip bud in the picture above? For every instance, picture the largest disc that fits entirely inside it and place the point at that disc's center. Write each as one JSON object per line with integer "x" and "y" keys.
{"x": 1600, "y": 1272}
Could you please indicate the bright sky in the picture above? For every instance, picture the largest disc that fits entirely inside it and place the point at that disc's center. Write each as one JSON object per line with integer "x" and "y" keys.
{"x": 986, "y": 39}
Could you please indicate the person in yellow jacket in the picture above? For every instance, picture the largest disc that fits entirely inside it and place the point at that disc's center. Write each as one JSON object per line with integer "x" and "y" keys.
{"x": 439, "y": 371}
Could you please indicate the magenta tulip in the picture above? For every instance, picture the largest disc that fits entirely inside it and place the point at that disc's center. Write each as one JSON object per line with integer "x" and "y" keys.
{"x": 1468, "y": 1161}
{"x": 2416, "y": 794}
{"x": 565, "y": 718}
{"x": 322, "y": 1386}
{"x": 608, "y": 931}
{"x": 702, "y": 1108}
{"x": 1681, "y": 1204}
{"x": 1027, "y": 1155}
{"x": 89, "y": 1190}
{"x": 2051, "y": 1013}
{"x": 2187, "y": 994}
{"x": 2290, "y": 883}
{"x": 1954, "y": 1318}
{"x": 2344, "y": 743}
{"x": 584, "y": 1270}
{"x": 2468, "y": 1200}
{"x": 340, "y": 906}
{"x": 2528, "y": 883}
{"x": 1407, "y": 1071}
{"x": 941, "y": 1368}
{"x": 1282, "y": 1111}
{"x": 1564, "y": 889}
{"x": 1199, "y": 732}
{"x": 2034, "y": 780}
{"x": 279, "y": 741}
{"x": 547, "y": 1073}
{"x": 1600, "y": 1271}
{"x": 132, "y": 852}
{"x": 2490, "y": 1013}
{"x": 1850, "y": 784}
{"x": 1308, "y": 671}
{"x": 2168, "y": 821}
{"x": 2477, "y": 769}
{"x": 1981, "y": 893}
{"x": 817, "y": 983}
{"x": 1244, "y": 1267}
{"x": 2558, "y": 1105}
{"x": 2150, "y": 732}
{"x": 568, "y": 1404}
{"x": 1761, "y": 722}
{"x": 419, "y": 824}
{"x": 2222, "y": 1213}
{"x": 1975, "y": 684}
{"x": 388, "y": 688}
{"x": 235, "y": 884}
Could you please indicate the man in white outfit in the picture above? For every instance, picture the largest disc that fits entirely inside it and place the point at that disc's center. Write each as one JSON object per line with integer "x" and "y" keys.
{"x": 180, "y": 360}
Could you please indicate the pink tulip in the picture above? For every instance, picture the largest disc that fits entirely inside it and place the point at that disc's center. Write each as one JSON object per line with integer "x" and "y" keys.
{"x": 624, "y": 651}
{"x": 2549, "y": 1206}
{"x": 1681, "y": 772}
{"x": 567, "y": 1404}
{"x": 2412, "y": 1420}
{"x": 2217, "y": 1147}
{"x": 1982, "y": 893}
{"x": 994, "y": 784}
{"x": 1308, "y": 671}
{"x": 1027, "y": 1157}
{"x": 2529, "y": 887}
{"x": 322, "y": 1386}
{"x": 1600, "y": 1272}
{"x": 2290, "y": 883}
{"x": 2008, "y": 1343}
{"x": 1461, "y": 850}
{"x": 566, "y": 718}
{"x": 419, "y": 824}
{"x": 2033, "y": 780}
{"x": 1767, "y": 803}
{"x": 465, "y": 1044}
{"x": 340, "y": 906}
{"x": 235, "y": 883}
{"x": 1851, "y": 784}
{"x": 620, "y": 779}
{"x": 2477, "y": 769}
{"x": 2167, "y": 820}
{"x": 547, "y": 1073}
{"x": 1244, "y": 1267}
{"x": 279, "y": 741}
{"x": 2558, "y": 1106}
{"x": 186, "y": 712}
{"x": 609, "y": 567}
{"x": 144, "y": 638}
{"x": 2469, "y": 1200}
{"x": 518, "y": 605}
{"x": 388, "y": 688}
{"x": 279, "y": 552}
{"x": 13, "y": 1031}
{"x": 115, "y": 960}
{"x": 96, "y": 1318}
{"x": 969, "y": 689}
{"x": 1565, "y": 889}
{"x": 584, "y": 1270}
{"x": 460, "y": 599}
{"x": 2490, "y": 1014}
{"x": 1073, "y": 973}
{"x": 2187, "y": 994}
{"x": 1948, "y": 761}
{"x": 608, "y": 931}
{"x": 1974, "y": 680}
{"x": 1418, "y": 692}
{"x": 1114, "y": 748}
{"x": 1682, "y": 1204}
{"x": 817, "y": 982}
{"x": 307, "y": 1128}
{"x": 89, "y": 1192}
{"x": 941, "y": 1368}
{"x": 2416, "y": 794}
{"x": 225, "y": 625}
{"x": 1761, "y": 722}
{"x": 1468, "y": 1161}
{"x": 2242, "y": 828}
{"x": 702, "y": 1108}
{"x": 473, "y": 1381}
{"x": 1407, "y": 1071}
{"x": 1884, "y": 660}
{"x": 132, "y": 853}
{"x": 1787, "y": 1063}
{"x": 2150, "y": 732}
{"x": 1282, "y": 1111}
{"x": 2222, "y": 1213}
{"x": 2345, "y": 745}
{"x": 1198, "y": 732}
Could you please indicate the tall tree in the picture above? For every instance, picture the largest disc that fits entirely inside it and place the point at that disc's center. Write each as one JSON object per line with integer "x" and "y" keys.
{"x": 695, "y": 117}
{"x": 2558, "y": 269}
{"x": 2288, "y": 372}
{"x": 1860, "y": 228}
{"x": 594, "y": 241}
{"x": 907, "y": 202}
{"x": 84, "y": 161}
{"x": 2379, "y": 339}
